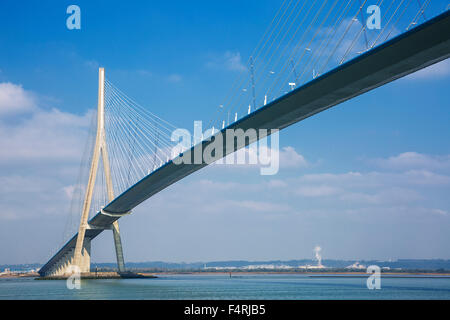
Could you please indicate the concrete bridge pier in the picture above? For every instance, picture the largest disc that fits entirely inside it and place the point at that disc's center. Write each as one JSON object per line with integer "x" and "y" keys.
{"x": 65, "y": 266}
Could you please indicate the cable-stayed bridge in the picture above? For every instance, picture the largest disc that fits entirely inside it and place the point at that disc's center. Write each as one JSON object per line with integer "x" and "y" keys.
{"x": 134, "y": 145}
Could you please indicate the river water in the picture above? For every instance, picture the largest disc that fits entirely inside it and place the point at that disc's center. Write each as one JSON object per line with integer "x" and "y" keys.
{"x": 196, "y": 286}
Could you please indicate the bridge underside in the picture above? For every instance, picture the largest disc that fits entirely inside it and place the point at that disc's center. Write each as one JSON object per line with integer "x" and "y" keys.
{"x": 60, "y": 264}
{"x": 403, "y": 55}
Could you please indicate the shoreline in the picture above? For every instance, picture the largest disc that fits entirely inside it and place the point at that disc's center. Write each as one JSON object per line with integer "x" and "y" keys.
{"x": 102, "y": 275}
{"x": 315, "y": 274}
{"x": 150, "y": 275}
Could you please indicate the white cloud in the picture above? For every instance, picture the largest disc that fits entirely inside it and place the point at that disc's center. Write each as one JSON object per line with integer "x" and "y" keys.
{"x": 262, "y": 155}
{"x": 40, "y": 157}
{"x": 229, "y": 61}
{"x": 331, "y": 177}
{"x": 15, "y": 100}
{"x": 44, "y": 137}
{"x": 144, "y": 72}
{"x": 275, "y": 183}
{"x": 440, "y": 212}
{"x": 317, "y": 191}
{"x": 343, "y": 44}
{"x": 69, "y": 191}
{"x": 435, "y": 71}
{"x": 174, "y": 78}
{"x": 383, "y": 196}
{"x": 376, "y": 179}
{"x": 425, "y": 177}
{"x": 259, "y": 206}
{"x": 289, "y": 158}
{"x": 207, "y": 184}
{"x": 233, "y": 61}
{"x": 92, "y": 64}
{"x": 377, "y": 190}
{"x": 406, "y": 186}
{"x": 414, "y": 160}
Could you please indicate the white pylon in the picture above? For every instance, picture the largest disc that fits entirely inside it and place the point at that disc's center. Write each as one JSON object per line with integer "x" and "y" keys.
{"x": 82, "y": 246}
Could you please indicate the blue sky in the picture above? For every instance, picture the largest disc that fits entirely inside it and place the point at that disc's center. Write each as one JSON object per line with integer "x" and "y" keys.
{"x": 367, "y": 179}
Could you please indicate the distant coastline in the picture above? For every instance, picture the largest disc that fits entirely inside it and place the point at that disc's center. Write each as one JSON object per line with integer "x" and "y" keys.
{"x": 327, "y": 267}
{"x": 330, "y": 273}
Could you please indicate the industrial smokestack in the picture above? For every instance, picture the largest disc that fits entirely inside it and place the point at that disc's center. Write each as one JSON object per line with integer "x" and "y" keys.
{"x": 317, "y": 250}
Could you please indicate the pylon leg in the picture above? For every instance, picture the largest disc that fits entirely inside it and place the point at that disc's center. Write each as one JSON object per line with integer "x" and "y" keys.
{"x": 118, "y": 245}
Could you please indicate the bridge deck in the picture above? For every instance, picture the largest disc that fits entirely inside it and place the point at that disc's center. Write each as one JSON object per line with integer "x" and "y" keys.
{"x": 416, "y": 49}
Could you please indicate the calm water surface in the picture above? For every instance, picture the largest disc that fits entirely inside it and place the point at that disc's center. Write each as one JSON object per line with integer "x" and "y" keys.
{"x": 222, "y": 287}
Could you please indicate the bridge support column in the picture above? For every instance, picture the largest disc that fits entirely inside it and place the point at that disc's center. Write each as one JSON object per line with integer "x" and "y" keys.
{"x": 85, "y": 261}
{"x": 82, "y": 254}
{"x": 118, "y": 246}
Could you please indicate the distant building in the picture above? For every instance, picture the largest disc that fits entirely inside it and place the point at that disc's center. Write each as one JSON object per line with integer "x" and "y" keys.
{"x": 266, "y": 266}
{"x": 7, "y": 271}
{"x": 309, "y": 266}
{"x": 356, "y": 265}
